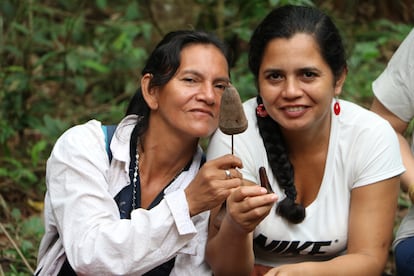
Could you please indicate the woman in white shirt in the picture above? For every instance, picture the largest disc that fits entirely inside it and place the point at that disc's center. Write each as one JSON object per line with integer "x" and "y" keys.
{"x": 145, "y": 212}
{"x": 333, "y": 167}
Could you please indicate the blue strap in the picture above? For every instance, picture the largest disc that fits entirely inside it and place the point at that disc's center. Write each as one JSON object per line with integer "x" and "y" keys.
{"x": 108, "y": 132}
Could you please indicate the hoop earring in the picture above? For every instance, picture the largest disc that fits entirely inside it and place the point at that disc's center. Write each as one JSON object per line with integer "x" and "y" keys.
{"x": 261, "y": 111}
{"x": 337, "y": 107}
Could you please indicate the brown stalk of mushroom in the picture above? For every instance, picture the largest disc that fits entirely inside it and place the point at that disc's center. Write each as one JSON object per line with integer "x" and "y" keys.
{"x": 232, "y": 119}
{"x": 264, "y": 181}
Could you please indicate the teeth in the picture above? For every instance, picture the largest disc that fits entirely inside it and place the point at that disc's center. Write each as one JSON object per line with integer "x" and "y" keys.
{"x": 295, "y": 108}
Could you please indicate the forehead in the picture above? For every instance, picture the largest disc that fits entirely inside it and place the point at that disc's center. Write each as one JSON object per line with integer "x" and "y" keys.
{"x": 298, "y": 49}
{"x": 203, "y": 58}
{"x": 202, "y": 50}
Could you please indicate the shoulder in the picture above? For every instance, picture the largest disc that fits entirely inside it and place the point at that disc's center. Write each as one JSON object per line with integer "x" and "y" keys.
{"x": 407, "y": 44}
{"x": 250, "y": 106}
{"x": 89, "y": 137}
{"x": 394, "y": 86}
{"x": 404, "y": 53}
{"x": 82, "y": 133}
{"x": 359, "y": 116}
{"x": 363, "y": 127}
{"x": 80, "y": 140}
{"x": 369, "y": 141}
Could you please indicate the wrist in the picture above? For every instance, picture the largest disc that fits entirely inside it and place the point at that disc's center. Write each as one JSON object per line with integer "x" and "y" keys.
{"x": 238, "y": 229}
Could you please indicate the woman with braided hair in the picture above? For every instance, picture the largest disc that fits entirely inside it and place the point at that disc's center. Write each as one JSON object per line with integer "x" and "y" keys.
{"x": 332, "y": 166}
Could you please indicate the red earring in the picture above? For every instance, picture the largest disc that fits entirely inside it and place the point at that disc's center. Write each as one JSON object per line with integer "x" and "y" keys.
{"x": 261, "y": 111}
{"x": 337, "y": 107}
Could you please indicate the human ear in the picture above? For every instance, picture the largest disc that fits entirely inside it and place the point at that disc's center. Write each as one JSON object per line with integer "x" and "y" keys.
{"x": 339, "y": 83}
{"x": 150, "y": 94}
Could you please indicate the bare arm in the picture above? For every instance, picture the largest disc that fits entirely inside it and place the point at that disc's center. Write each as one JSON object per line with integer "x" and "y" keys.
{"x": 230, "y": 243}
{"x": 370, "y": 233}
{"x": 407, "y": 178}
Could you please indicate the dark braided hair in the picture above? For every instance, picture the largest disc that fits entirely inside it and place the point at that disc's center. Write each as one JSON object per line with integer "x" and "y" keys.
{"x": 281, "y": 167}
{"x": 285, "y": 22}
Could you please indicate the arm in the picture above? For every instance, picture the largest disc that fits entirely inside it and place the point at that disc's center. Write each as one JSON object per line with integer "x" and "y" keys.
{"x": 101, "y": 241}
{"x": 370, "y": 232}
{"x": 230, "y": 242}
{"x": 407, "y": 178}
{"x": 79, "y": 195}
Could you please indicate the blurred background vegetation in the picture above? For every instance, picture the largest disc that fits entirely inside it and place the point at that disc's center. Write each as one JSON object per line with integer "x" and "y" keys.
{"x": 63, "y": 62}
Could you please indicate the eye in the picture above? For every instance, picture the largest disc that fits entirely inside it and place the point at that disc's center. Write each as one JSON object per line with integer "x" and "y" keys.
{"x": 189, "y": 80}
{"x": 220, "y": 86}
{"x": 309, "y": 74}
{"x": 274, "y": 76}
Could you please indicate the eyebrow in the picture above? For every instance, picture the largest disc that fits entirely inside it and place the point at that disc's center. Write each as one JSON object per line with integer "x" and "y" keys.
{"x": 303, "y": 69}
{"x": 197, "y": 73}
{"x": 272, "y": 70}
{"x": 311, "y": 68}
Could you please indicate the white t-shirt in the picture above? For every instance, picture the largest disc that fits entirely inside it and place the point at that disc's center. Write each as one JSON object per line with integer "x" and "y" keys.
{"x": 394, "y": 88}
{"x": 363, "y": 149}
{"x": 82, "y": 219}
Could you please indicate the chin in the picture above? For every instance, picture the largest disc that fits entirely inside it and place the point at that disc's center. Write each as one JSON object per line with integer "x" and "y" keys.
{"x": 203, "y": 133}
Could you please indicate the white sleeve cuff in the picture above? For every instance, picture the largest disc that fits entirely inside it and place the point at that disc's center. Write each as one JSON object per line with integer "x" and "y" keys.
{"x": 177, "y": 202}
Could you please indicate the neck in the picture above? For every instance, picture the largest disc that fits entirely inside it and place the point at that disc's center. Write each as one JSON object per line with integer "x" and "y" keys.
{"x": 159, "y": 158}
{"x": 309, "y": 141}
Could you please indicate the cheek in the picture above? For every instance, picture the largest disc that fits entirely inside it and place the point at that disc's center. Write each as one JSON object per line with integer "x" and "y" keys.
{"x": 218, "y": 95}
{"x": 269, "y": 93}
{"x": 216, "y": 113}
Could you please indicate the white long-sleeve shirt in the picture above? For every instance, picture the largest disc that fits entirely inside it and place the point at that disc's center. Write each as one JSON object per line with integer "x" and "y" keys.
{"x": 82, "y": 219}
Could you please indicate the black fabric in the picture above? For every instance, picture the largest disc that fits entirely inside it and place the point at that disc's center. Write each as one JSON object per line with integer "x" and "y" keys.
{"x": 66, "y": 270}
{"x": 164, "y": 269}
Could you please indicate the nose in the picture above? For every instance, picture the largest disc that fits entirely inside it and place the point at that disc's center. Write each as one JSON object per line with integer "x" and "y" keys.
{"x": 292, "y": 88}
{"x": 207, "y": 94}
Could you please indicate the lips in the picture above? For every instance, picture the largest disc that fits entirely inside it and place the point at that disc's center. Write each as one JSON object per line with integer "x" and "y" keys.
{"x": 202, "y": 110}
{"x": 294, "y": 108}
{"x": 294, "y": 111}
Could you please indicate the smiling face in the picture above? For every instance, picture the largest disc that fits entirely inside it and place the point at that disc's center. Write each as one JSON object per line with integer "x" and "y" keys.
{"x": 189, "y": 103}
{"x": 296, "y": 84}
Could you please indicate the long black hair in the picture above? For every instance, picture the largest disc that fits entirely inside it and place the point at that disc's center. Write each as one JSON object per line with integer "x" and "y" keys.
{"x": 285, "y": 22}
{"x": 162, "y": 64}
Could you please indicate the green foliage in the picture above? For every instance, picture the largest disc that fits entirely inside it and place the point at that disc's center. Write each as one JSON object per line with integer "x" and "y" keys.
{"x": 372, "y": 46}
{"x": 62, "y": 63}
{"x": 26, "y": 233}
